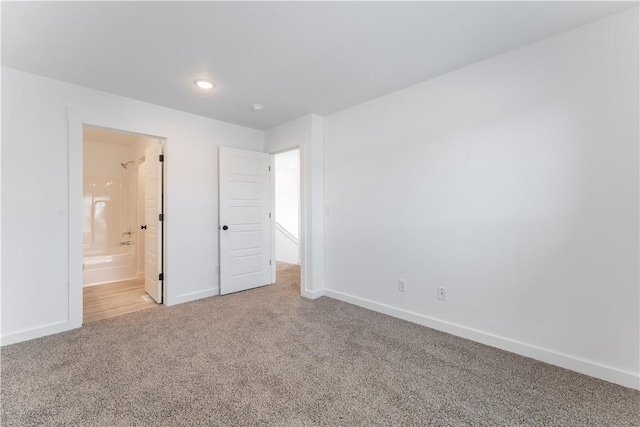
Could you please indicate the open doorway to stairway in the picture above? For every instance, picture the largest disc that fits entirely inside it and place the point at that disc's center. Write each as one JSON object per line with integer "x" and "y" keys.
{"x": 287, "y": 218}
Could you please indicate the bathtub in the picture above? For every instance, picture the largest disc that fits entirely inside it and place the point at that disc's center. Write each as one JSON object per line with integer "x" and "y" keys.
{"x": 100, "y": 269}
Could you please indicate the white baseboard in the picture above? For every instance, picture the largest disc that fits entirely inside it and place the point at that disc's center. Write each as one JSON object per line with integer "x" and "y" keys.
{"x": 37, "y": 332}
{"x": 626, "y": 379}
{"x": 192, "y": 296}
{"x": 312, "y": 294}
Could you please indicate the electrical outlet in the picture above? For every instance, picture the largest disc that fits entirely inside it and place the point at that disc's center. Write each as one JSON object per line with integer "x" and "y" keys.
{"x": 442, "y": 293}
{"x": 401, "y": 285}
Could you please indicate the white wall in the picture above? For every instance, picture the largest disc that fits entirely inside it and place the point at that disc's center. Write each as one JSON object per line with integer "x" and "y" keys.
{"x": 105, "y": 179}
{"x": 287, "y": 246}
{"x": 35, "y": 199}
{"x": 514, "y": 184}
{"x": 306, "y": 133}
{"x": 287, "y": 171}
{"x": 103, "y": 159}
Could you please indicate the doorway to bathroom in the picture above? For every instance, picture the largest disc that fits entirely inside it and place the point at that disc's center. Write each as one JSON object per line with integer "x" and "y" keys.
{"x": 287, "y": 218}
{"x": 122, "y": 223}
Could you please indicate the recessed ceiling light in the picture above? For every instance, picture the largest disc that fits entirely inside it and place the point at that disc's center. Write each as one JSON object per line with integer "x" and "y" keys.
{"x": 203, "y": 84}
{"x": 257, "y": 107}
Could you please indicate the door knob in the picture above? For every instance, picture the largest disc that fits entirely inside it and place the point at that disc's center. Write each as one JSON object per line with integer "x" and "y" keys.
{"x": 224, "y": 227}
{"x": 143, "y": 227}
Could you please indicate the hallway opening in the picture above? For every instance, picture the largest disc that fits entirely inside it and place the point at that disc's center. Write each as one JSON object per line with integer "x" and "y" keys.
{"x": 287, "y": 213}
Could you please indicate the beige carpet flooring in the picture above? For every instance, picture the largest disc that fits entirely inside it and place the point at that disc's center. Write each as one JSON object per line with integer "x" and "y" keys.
{"x": 271, "y": 358}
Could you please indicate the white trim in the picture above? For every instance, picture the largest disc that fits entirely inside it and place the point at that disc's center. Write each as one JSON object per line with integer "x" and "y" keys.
{"x": 74, "y": 199}
{"x": 272, "y": 189}
{"x": 287, "y": 233}
{"x": 192, "y": 296}
{"x": 304, "y": 224}
{"x": 37, "y": 332}
{"x": 313, "y": 294}
{"x": 316, "y": 214}
{"x": 164, "y": 143}
{"x": 607, "y": 373}
{"x": 76, "y": 122}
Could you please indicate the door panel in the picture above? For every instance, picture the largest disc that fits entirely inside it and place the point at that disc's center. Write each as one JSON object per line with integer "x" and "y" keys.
{"x": 245, "y": 205}
{"x": 153, "y": 233}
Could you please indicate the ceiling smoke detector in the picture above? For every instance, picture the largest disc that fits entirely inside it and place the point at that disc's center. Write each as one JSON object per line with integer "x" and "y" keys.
{"x": 257, "y": 107}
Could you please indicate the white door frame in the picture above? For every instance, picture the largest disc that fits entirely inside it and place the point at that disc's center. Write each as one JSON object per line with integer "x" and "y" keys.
{"x": 76, "y": 121}
{"x": 307, "y": 133}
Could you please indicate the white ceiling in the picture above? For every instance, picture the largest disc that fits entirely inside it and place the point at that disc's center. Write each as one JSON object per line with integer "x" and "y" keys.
{"x": 293, "y": 57}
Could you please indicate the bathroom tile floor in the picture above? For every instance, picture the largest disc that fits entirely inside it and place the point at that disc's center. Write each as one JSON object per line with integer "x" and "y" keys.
{"x": 114, "y": 299}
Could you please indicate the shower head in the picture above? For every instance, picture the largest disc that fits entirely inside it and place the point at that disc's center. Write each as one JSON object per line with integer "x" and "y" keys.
{"x": 124, "y": 165}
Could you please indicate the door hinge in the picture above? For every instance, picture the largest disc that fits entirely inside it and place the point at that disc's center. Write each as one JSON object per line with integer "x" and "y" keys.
{"x": 269, "y": 262}
{"x": 269, "y": 214}
{"x": 161, "y": 217}
{"x": 161, "y": 157}
{"x": 161, "y": 276}
{"x": 269, "y": 168}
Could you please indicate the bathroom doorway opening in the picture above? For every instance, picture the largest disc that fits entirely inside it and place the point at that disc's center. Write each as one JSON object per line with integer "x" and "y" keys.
{"x": 122, "y": 223}
{"x": 287, "y": 218}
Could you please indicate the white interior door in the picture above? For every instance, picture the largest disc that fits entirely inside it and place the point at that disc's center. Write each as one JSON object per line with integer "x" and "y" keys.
{"x": 245, "y": 219}
{"x": 152, "y": 217}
